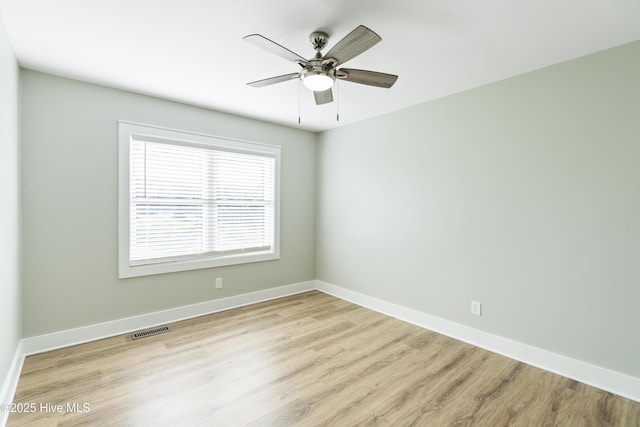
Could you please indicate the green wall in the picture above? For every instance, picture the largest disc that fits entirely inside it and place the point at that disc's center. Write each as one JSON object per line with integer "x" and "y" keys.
{"x": 10, "y": 208}
{"x": 523, "y": 194}
{"x": 70, "y": 199}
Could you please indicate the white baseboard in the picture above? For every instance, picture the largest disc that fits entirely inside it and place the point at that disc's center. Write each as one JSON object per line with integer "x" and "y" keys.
{"x": 11, "y": 382}
{"x": 605, "y": 379}
{"x": 596, "y": 376}
{"x": 67, "y": 338}
{"x": 55, "y": 340}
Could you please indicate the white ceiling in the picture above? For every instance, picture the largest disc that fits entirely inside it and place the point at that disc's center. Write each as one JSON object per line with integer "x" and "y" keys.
{"x": 192, "y": 50}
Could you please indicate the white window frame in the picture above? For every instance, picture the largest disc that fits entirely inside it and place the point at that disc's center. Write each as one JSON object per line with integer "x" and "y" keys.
{"x": 127, "y": 132}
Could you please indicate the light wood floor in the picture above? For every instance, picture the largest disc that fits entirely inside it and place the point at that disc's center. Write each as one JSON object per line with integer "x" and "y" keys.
{"x": 305, "y": 360}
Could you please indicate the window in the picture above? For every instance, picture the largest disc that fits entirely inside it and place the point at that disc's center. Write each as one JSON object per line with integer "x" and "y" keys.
{"x": 191, "y": 201}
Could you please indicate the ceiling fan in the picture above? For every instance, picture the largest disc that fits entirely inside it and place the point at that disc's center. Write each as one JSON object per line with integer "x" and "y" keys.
{"x": 320, "y": 72}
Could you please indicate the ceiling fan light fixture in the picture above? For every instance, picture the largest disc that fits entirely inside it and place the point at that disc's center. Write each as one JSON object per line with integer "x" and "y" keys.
{"x": 318, "y": 81}
{"x": 321, "y": 72}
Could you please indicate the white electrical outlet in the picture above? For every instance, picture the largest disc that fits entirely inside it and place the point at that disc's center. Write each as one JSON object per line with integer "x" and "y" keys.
{"x": 476, "y": 308}
{"x": 218, "y": 282}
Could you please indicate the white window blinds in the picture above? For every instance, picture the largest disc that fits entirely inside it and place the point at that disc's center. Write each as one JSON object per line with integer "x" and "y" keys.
{"x": 192, "y": 202}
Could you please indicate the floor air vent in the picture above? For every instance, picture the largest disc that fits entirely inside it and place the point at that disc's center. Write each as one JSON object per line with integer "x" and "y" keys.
{"x": 150, "y": 332}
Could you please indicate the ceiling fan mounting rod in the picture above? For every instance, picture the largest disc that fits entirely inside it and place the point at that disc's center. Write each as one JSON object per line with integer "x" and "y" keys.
{"x": 319, "y": 40}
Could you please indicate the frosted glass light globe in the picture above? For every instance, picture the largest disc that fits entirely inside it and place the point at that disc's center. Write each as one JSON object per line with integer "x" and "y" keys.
{"x": 317, "y": 81}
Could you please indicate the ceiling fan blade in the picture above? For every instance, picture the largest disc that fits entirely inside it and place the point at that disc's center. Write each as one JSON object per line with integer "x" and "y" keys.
{"x": 323, "y": 97}
{"x": 273, "y": 47}
{"x": 274, "y": 80}
{"x": 353, "y": 44}
{"x": 371, "y": 78}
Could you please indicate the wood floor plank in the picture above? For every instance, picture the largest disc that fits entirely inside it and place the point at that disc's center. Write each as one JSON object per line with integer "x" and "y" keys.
{"x": 305, "y": 360}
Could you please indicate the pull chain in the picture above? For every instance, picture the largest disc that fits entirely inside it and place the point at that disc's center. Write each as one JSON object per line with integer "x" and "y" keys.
{"x": 337, "y": 101}
{"x": 299, "y": 98}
